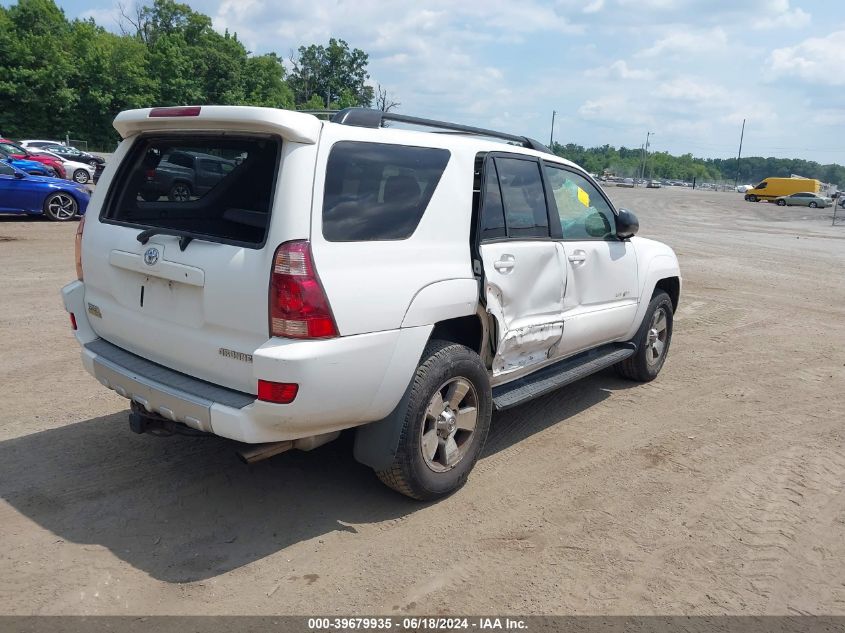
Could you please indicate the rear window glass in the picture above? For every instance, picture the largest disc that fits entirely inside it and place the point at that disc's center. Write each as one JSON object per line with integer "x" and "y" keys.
{"x": 215, "y": 187}
{"x": 376, "y": 191}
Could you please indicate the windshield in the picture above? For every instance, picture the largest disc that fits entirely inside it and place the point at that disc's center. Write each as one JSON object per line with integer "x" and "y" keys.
{"x": 11, "y": 148}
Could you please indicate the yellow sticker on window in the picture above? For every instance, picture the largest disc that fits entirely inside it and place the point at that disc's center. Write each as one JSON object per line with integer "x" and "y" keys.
{"x": 583, "y": 197}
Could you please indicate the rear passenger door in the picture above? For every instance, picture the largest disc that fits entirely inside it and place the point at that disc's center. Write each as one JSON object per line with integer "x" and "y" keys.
{"x": 524, "y": 281}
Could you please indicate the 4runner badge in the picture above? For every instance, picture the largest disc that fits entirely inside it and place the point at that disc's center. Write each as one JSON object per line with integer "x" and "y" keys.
{"x": 228, "y": 353}
{"x": 151, "y": 256}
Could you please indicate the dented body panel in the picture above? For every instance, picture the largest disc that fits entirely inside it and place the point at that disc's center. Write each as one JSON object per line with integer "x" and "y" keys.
{"x": 524, "y": 291}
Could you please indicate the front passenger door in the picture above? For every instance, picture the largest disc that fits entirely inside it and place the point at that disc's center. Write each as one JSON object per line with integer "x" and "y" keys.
{"x": 524, "y": 282}
{"x": 603, "y": 290}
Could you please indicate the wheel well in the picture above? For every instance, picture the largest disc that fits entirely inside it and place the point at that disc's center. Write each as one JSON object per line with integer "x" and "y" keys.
{"x": 465, "y": 330}
{"x": 672, "y": 287}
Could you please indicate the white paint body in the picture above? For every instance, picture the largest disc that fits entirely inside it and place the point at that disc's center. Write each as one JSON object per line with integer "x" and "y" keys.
{"x": 560, "y": 297}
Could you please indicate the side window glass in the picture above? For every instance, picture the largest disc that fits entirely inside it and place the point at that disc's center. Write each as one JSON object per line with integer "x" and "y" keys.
{"x": 6, "y": 170}
{"x": 378, "y": 191}
{"x": 584, "y": 214}
{"x": 523, "y": 197}
{"x": 492, "y": 211}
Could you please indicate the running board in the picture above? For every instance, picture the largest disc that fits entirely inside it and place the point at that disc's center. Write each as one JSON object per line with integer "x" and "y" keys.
{"x": 555, "y": 376}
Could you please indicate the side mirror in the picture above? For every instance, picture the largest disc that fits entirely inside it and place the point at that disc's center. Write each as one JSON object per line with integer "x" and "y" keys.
{"x": 627, "y": 224}
{"x": 20, "y": 175}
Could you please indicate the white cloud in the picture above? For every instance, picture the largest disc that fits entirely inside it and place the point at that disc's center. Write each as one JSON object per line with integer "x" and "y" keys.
{"x": 829, "y": 117}
{"x": 686, "y": 89}
{"x": 816, "y": 60}
{"x": 614, "y": 109}
{"x": 619, "y": 70}
{"x": 780, "y": 16}
{"x": 594, "y": 7}
{"x": 687, "y": 42}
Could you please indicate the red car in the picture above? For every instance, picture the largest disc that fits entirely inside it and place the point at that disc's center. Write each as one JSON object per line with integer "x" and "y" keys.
{"x": 20, "y": 153}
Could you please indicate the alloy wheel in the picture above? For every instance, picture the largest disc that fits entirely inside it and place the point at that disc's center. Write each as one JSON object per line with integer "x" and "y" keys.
{"x": 658, "y": 333}
{"x": 449, "y": 424}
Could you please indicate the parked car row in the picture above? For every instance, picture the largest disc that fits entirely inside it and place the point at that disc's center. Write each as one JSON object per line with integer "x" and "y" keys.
{"x": 68, "y": 153}
{"x": 60, "y": 161}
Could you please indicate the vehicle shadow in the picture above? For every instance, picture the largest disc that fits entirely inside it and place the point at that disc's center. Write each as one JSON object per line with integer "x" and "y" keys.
{"x": 184, "y": 509}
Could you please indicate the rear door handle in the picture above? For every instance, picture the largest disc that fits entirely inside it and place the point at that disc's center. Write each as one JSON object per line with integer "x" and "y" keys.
{"x": 578, "y": 257}
{"x": 506, "y": 263}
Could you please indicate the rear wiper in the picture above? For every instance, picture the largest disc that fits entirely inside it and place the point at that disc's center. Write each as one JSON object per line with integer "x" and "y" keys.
{"x": 185, "y": 238}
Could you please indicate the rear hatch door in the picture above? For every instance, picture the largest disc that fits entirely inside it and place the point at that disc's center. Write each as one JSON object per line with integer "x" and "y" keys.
{"x": 177, "y": 264}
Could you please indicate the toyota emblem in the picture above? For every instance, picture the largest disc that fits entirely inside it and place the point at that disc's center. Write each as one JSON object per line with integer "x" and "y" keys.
{"x": 151, "y": 256}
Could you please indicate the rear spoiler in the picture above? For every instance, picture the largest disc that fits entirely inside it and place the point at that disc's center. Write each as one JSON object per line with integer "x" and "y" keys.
{"x": 290, "y": 125}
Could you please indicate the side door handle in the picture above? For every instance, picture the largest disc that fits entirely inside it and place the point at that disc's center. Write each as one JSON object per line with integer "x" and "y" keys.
{"x": 578, "y": 257}
{"x": 505, "y": 264}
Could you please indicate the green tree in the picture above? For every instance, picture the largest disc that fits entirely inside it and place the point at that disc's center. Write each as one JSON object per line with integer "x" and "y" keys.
{"x": 335, "y": 73}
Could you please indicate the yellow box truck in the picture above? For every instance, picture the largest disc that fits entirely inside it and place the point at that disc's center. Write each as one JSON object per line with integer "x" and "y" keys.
{"x": 771, "y": 188}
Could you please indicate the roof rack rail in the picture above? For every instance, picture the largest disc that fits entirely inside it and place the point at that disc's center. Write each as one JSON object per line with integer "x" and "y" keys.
{"x": 365, "y": 117}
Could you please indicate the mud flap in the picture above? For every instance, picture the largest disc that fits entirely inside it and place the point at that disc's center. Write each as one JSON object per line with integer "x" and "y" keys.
{"x": 376, "y": 443}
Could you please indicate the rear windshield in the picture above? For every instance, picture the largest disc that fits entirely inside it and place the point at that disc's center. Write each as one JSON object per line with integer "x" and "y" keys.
{"x": 217, "y": 187}
{"x": 376, "y": 191}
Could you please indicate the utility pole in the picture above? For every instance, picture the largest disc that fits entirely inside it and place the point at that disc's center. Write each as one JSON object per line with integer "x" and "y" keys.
{"x": 552, "y": 135}
{"x": 739, "y": 153}
{"x": 645, "y": 154}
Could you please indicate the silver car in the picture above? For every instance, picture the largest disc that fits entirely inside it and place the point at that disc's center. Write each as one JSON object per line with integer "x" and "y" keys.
{"x": 803, "y": 199}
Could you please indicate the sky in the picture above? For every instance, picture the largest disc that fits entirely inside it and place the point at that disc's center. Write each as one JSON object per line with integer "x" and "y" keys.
{"x": 689, "y": 71}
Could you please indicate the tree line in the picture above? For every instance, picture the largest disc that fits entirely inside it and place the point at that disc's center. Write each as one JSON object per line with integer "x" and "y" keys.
{"x": 628, "y": 163}
{"x": 60, "y": 76}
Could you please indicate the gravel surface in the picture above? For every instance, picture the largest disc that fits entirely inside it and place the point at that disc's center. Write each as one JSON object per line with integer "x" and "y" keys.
{"x": 718, "y": 488}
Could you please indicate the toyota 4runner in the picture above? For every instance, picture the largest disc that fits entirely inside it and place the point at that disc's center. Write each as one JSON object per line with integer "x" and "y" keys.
{"x": 339, "y": 274}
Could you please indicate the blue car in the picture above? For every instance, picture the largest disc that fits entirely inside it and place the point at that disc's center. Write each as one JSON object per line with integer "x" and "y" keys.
{"x": 29, "y": 166}
{"x": 60, "y": 200}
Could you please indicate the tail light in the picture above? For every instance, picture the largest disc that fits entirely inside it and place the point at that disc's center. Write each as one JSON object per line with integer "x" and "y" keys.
{"x": 150, "y": 174}
{"x": 78, "y": 247}
{"x": 299, "y": 307}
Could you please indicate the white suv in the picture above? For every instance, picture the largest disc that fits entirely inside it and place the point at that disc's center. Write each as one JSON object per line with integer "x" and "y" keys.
{"x": 324, "y": 275}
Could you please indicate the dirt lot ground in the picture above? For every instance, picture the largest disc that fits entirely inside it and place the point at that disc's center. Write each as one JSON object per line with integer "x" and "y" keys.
{"x": 716, "y": 489}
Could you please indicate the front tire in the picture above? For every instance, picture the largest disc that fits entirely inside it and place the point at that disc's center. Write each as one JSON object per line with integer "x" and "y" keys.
{"x": 813, "y": 205}
{"x": 652, "y": 341}
{"x": 751, "y": 198}
{"x": 446, "y": 423}
{"x": 60, "y": 207}
{"x": 80, "y": 176}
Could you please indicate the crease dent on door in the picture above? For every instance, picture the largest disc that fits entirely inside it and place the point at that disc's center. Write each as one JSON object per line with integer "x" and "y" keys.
{"x": 524, "y": 341}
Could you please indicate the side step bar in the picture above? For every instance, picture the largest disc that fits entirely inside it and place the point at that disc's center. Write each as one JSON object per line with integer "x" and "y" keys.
{"x": 555, "y": 376}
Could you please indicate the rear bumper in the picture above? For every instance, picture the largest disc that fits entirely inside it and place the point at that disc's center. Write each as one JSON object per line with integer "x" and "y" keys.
{"x": 344, "y": 382}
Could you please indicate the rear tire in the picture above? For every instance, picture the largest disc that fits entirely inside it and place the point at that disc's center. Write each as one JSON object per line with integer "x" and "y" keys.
{"x": 446, "y": 423}
{"x": 179, "y": 192}
{"x": 652, "y": 341}
{"x": 781, "y": 203}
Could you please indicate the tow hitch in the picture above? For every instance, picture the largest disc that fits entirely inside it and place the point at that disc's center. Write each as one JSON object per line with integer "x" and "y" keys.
{"x": 142, "y": 421}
